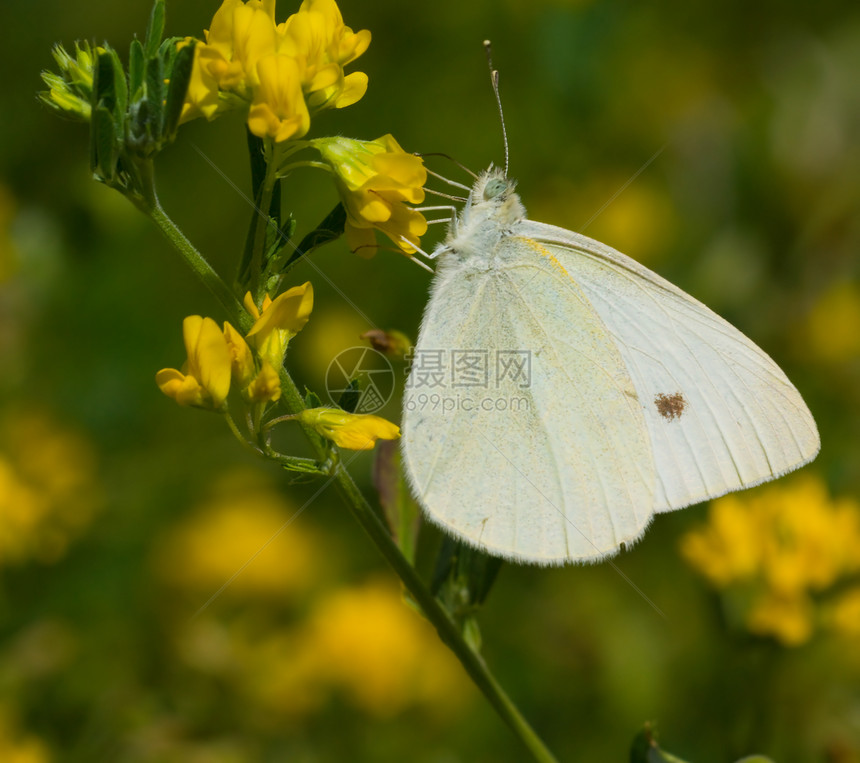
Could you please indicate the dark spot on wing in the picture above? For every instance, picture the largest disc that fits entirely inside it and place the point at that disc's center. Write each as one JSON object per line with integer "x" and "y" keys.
{"x": 670, "y": 407}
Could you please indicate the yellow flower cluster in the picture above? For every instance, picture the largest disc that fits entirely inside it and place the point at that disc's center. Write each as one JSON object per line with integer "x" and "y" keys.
{"x": 49, "y": 490}
{"x": 784, "y": 544}
{"x": 286, "y": 72}
{"x": 217, "y": 358}
{"x": 377, "y": 180}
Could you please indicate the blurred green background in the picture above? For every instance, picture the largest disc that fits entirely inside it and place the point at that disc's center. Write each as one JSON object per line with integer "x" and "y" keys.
{"x": 122, "y": 514}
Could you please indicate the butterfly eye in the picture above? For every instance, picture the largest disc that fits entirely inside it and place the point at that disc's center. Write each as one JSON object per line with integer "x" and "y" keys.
{"x": 494, "y": 187}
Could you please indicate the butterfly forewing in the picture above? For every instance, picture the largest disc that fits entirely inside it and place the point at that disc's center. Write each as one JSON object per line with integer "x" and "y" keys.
{"x": 548, "y": 465}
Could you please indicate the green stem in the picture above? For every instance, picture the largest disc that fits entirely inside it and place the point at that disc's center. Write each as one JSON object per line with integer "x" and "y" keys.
{"x": 308, "y": 163}
{"x": 149, "y": 204}
{"x": 202, "y": 269}
{"x": 243, "y": 441}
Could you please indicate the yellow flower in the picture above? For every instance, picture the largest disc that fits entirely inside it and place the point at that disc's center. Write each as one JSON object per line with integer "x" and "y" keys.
{"x": 278, "y": 321}
{"x": 205, "y": 378}
{"x": 266, "y": 385}
{"x": 354, "y": 431}
{"x": 201, "y": 98}
{"x": 241, "y": 360}
{"x": 70, "y": 91}
{"x": 278, "y": 110}
{"x": 257, "y": 386}
{"x": 322, "y": 45}
{"x": 376, "y": 180}
{"x": 239, "y": 36}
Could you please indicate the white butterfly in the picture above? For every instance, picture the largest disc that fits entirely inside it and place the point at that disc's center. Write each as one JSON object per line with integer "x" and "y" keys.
{"x": 561, "y": 394}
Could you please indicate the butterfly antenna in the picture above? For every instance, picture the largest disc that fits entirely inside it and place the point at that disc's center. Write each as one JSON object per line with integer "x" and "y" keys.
{"x": 494, "y": 79}
{"x": 450, "y": 158}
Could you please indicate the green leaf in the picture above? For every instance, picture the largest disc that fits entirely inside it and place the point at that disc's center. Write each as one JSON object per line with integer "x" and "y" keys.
{"x": 167, "y": 51}
{"x": 755, "y": 759}
{"x": 109, "y": 86}
{"x": 277, "y": 238}
{"x": 305, "y": 466}
{"x": 257, "y": 158}
{"x": 103, "y": 145}
{"x": 400, "y": 510}
{"x": 646, "y": 750}
{"x": 155, "y": 29}
{"x": 349, "y": 398}
{"x": 312, "y": 400}
{"x": 180, "y": 76}
{"x": 120, "y": 86}
{"x": 462, "y": 579}
{"x": 330, "y": 229}
{"x": 136, "y": 66}
{"x": 154, "y": 97}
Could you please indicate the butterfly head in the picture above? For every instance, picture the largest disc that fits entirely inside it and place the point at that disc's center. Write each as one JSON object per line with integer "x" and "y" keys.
{"x": 493, "y": 198}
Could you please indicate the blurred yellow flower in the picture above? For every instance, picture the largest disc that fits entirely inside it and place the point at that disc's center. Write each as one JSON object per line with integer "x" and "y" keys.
{"x": 833, "y": 324}
{"x": 361, "y": 642}
{"x": 784, "y": 542}
{"x": 49, "y": 490}
{"x": 377, "y": 649}
{"x": 789, "y": 619}
{"x": 17, "y": 746}
{"x": 8, "y": 249}
{"x": 241, "y": 523}
{"x": 355, "y": 431}
{"x": 376, "y": 181}
{"x": 845, "y": 614}
{"x": 204, "y": 381}
{"x": 278, "y": 321}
